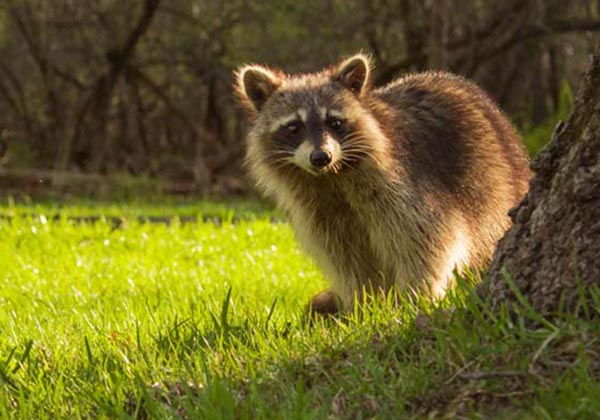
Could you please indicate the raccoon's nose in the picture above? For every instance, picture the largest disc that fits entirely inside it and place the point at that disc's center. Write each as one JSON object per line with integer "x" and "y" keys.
{"x": 320, "y": 158}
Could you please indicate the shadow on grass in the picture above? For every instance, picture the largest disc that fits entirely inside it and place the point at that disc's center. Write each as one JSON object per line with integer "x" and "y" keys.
{"x": 395, "y": 358}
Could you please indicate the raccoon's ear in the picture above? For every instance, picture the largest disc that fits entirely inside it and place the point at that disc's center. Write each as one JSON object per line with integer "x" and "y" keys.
{"x": 354, "y": 73}
{"x": 255, "y": 84}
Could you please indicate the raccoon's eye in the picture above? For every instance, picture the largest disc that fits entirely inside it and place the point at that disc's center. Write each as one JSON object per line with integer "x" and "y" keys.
{"x": 335, "y": 124}
{"x": 292, "y": 127}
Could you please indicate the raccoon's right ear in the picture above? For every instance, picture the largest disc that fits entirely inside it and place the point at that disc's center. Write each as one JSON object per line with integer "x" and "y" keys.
{"x": 354, "y": 73}
{"x": 255, "y": 84}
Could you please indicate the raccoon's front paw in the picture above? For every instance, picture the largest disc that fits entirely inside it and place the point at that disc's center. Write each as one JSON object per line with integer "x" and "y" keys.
{"x": 325, "y": 303}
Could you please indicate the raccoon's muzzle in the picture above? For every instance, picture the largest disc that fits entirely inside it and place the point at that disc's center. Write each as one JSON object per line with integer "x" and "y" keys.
{"x": 320, "y": 158}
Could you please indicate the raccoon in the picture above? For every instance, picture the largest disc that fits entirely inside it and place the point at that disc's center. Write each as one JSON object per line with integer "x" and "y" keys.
{"x": 394, "y": 187}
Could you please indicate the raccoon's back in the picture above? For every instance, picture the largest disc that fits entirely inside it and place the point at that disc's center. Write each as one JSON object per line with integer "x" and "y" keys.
{"x": 455, "y": 141}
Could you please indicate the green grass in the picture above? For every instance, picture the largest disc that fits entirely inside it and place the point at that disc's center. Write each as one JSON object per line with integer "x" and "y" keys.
{"x": 203, "y": 321}
{"x": 536, "y": 136}
{"x": 136, "y": 207}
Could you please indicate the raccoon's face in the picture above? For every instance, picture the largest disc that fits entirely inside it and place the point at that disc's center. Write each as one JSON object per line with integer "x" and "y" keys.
{"x": 313, "y": 122}
{"x": 307, "y": 129}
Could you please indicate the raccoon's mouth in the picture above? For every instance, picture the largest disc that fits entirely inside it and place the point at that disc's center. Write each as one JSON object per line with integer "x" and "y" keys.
{"x": 319, "y": 163}
{"x": 313, "y": 170}
{"x": 309, "y": 169}
{"x": 332, "y": 168}
{"x": 316, "y": 171}
{"x": 318, "y": 160}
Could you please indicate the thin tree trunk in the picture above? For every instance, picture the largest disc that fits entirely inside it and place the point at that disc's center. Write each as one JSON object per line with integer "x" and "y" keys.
{"x": 99, "y": 101}
{"x": 438, "y": 35}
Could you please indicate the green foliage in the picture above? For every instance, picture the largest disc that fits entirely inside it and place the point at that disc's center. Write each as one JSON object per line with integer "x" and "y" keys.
{"x": 535, "y": 137}
{"x": 205, "y": 321}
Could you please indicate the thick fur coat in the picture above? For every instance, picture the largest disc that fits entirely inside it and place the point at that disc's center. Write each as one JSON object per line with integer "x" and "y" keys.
{"x": 389, "y": 187}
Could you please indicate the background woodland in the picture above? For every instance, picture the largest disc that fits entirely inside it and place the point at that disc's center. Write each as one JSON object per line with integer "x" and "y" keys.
{"x": 143, "y": 87}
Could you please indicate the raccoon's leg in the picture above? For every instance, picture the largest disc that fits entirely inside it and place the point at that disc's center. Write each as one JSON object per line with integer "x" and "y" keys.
{"x": 325, "y": 303}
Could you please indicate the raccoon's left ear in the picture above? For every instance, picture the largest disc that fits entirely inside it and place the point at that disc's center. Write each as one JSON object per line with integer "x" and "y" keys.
{"x": 255, "y": 84}
{"x": 354, "y": 73}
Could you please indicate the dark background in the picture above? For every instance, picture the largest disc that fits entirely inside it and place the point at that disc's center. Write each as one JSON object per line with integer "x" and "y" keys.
{"x": 142, "y": 88}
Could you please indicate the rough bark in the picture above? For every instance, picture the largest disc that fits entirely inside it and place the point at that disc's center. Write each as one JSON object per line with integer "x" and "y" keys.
{"x": 552, "y": 252}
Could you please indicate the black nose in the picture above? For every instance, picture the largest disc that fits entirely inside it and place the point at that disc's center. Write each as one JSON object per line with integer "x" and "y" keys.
{"x": 320, "y": 158}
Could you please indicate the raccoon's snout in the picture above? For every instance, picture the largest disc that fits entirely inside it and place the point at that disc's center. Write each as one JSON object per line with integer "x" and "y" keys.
{"x": 320, "y": 158}
{"x": 317, "y": 159}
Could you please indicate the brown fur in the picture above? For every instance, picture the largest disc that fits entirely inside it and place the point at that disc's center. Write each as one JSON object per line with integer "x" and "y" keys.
{"x": 422, "y": 175}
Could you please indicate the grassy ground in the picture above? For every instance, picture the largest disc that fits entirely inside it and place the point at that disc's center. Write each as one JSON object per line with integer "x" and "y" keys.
{"x": 135, "y": 208}
{"x": 202, "y": 321}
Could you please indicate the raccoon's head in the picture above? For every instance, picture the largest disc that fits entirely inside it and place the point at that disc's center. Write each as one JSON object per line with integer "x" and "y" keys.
{"x": 315, "y": 123}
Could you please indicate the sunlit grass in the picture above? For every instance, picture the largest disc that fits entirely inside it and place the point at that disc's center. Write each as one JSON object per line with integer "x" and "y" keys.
{"x": 200, "y": 320}
{"x": 137, "y": 207}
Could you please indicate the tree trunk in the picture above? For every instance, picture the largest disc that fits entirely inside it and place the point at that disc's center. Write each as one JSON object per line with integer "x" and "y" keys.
{"x": 552, "y": 252}
{"x": 438, "y": 35}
